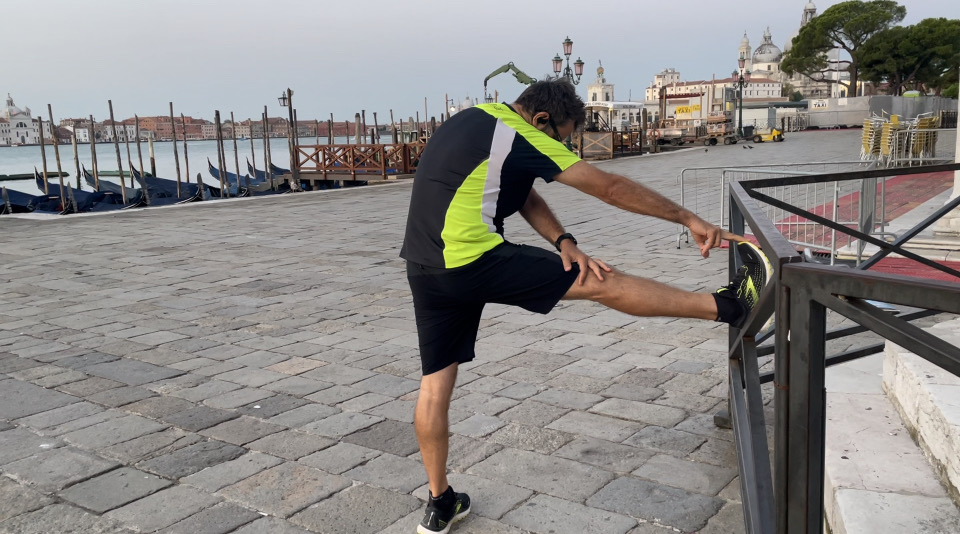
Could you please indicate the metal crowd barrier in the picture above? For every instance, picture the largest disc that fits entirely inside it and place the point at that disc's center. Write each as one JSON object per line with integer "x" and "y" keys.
{"x": 790, "y": 499}
{"x": 927, "y": 146}
{"x": 703, "y": 190}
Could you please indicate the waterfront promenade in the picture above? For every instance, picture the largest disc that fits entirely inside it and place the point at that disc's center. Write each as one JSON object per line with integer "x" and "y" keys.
{"x": 250, "y": 366}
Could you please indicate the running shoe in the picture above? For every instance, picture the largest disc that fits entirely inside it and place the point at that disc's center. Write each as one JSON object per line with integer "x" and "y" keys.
{"x": 437, "y": 519}
{"x": 745, "y": 288}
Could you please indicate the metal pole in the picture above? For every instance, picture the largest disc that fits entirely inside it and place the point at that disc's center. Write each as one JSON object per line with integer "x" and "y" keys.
{"x": 293, "y": 140}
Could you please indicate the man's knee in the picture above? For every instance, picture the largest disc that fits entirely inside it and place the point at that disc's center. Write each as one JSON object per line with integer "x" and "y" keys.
{"x": 595, "y": 289}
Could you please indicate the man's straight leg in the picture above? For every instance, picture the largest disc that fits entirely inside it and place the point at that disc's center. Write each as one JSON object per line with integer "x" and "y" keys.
{"x": 431, "y": 421}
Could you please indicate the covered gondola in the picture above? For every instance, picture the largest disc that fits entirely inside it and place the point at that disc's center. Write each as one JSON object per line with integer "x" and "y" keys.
{"x": 78, "y": 201}
{"x": 163, "y": 191}
{"x": 13, "y": 201}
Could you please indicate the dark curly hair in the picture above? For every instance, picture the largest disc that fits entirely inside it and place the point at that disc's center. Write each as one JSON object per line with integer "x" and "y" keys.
{"x": 556, "y": 97}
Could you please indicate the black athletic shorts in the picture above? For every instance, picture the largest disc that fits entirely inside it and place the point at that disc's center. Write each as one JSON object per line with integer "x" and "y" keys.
{"x": 448, "y": 302}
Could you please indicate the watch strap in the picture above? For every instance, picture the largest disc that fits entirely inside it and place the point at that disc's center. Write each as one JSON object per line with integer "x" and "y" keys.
{"x": 562, "y": 237}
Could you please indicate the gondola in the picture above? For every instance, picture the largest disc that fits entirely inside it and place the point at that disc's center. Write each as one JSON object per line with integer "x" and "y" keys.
{"x": 283, "y": 186}
{"x": 262, "y": 175}
{"x": 78, "y": 201}
{"x": 159, "y": 191}
{"x": 13, "y": 201}
{"x": 163, "y": 191}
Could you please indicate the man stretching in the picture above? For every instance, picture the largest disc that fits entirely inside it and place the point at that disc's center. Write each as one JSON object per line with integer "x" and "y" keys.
{"x": 479, "y": 169}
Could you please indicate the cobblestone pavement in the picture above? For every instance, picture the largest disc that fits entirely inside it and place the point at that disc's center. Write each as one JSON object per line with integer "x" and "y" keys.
{"x": 251, "y": 366}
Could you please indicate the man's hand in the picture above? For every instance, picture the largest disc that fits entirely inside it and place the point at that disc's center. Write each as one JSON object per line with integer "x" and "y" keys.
{"x": 570, "y": 254}
{"x": 708, "y": 236}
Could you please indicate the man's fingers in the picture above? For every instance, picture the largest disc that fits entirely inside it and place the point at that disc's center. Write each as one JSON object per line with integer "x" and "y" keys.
{"x": 731, "y": 236}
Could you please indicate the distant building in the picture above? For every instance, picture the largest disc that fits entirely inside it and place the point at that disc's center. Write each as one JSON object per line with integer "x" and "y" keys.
{"x": 604, "y": 112}
{"x": 5, "y": 139}
{"x": 23, "y": 128}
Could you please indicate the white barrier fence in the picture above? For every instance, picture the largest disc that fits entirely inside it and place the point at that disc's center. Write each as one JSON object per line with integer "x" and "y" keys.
{"x": 704, "y": 191}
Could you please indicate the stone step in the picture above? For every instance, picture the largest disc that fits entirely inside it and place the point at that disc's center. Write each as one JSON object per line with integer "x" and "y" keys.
{"x": 876, "y": 477}
{"x": 928, "y": 399}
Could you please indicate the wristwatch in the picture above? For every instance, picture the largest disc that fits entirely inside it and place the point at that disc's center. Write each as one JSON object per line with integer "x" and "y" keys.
{"x": 562, "y": 237}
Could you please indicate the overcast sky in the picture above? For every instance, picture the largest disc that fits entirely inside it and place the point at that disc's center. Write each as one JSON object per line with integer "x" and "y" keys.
{"x": 346, "y": 55}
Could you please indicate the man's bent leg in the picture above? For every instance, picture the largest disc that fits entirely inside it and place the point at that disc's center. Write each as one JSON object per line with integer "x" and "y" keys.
{"x": 430, "y": 419}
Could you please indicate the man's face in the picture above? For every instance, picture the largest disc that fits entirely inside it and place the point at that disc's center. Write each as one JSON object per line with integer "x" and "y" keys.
{"x": 561, "y": 131}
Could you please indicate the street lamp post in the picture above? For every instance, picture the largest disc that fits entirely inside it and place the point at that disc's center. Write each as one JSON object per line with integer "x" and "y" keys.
{"x": 286, "y": 100}
{"x": 741, "y": 83}
{"x": 572, "y": 75}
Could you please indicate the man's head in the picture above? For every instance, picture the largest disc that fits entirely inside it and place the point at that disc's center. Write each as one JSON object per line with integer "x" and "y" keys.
{"x": 552, "y": 106}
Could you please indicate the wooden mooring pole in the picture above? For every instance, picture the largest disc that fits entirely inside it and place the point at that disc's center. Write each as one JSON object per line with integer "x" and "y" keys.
{"x": 376, "y": 129}
{"x": 330, "y": 130}
{"x": 93, "y": 156}
{"x": 43, "y": 157}
{"x": 76, "y": 156}
{"x": 253, "y": 151}
{"x": 176, "y": 156}
{"x": 236, "y": 152}
{"x": 56, "y": 152}
{"x": 363, "y": 122}
{"x": 393, "y": 128}
{"x": 266, "y": 148}
{"x": 186, "y": 157}
{"x": 139, "y": 149}
{"x": 223, "y": 190}
{"x": 116, "y": 147}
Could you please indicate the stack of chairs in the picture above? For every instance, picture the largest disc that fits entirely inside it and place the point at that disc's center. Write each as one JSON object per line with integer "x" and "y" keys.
{"x": 891, "y": 150}
{"x": 870, "y": 140}
{"x": 923, "y": 141}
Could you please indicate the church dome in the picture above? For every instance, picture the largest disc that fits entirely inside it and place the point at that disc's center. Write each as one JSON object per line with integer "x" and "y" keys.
{"x": 767, "y": 52}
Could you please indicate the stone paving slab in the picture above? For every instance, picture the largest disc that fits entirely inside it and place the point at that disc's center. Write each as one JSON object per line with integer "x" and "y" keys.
{"x": 62, "y": 519}
{"x": 190, "y": 459}
{"x": 162, "y": 509}
{"x": 545, "y": 474}
{"x": 218, "y": 519}
{"x": 544, "y": 513}
{"x": 16, "y": 499}
{"x": 20, "y": 399}
{"x": 55, "y": 469}
{"x": 17, "y": 443}
{"x": 673, "y": 507}
{"x": 358, "y": 510}
{"x": 113, "y": 490}
{"x": 285, "y": 489}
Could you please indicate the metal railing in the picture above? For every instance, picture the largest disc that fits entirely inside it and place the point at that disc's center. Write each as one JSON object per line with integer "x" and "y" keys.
{"x": 789, "y": 500}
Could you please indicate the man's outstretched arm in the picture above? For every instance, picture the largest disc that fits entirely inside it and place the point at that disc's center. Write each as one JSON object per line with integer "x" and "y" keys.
{"x": 628, "y": 195}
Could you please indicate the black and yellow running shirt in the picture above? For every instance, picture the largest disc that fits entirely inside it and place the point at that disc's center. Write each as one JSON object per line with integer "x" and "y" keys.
{"x": 477, "y": 170}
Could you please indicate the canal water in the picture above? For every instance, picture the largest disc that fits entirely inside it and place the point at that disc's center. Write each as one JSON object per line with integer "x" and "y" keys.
{"x": 22, "y": 159}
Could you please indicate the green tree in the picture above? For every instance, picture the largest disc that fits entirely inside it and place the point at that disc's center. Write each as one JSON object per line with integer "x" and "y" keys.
{"x": 845, "y": 26}
{"x": 925, "y": 55}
